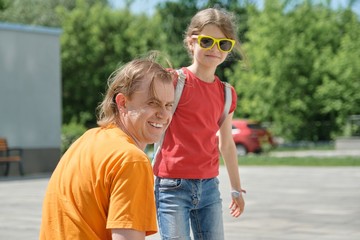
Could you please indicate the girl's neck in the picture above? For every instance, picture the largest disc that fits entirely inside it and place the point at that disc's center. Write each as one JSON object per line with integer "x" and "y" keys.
{"x": 204, "y": 74}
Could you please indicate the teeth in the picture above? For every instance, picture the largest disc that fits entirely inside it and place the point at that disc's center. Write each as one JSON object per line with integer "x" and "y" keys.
{"x": 158, "y": 125}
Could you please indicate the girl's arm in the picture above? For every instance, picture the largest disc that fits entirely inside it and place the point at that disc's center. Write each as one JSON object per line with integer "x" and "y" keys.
{"x": 228, "y": 152}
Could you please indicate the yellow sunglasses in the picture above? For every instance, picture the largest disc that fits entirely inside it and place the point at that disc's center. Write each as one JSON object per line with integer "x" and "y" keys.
{"x": 207, "y": 42}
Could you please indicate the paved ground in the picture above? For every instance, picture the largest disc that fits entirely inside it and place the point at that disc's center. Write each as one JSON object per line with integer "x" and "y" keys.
{"x": 317, "y": 153}
{"x": 282, "y": 203}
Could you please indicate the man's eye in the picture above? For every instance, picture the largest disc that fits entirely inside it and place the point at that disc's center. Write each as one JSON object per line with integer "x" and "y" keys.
{"x": 152, "y": 103}
{"x": 169, "y": 106}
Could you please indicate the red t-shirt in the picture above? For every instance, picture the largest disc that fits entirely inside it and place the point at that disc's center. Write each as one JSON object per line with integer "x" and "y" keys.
{"x": 190, "y": 149}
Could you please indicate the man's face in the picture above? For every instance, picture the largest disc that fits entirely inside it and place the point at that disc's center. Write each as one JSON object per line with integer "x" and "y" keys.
{"x": 146, "y": 117}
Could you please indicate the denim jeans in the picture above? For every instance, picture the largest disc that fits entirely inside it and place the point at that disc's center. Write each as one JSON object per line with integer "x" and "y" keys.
{"x": 181, "y": 202}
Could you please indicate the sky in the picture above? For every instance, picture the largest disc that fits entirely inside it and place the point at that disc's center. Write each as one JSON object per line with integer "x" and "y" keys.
{"x": 139, "y": 6}
{"x": 148, "y": 6}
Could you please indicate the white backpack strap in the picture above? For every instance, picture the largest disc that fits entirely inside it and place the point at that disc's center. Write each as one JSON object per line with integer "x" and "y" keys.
{"x": 228, "y": 98}
{"x": 178, "y": 91}
{"x": 179, "y": 88}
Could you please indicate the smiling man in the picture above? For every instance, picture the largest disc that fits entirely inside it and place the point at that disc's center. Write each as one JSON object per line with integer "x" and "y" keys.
{"x": 103, "y": 185}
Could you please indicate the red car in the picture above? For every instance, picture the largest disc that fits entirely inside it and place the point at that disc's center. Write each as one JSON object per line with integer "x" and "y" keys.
{"x": 250, "y": 136}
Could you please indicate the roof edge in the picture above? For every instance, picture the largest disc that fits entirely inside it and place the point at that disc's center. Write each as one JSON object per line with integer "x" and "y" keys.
{"x": 29, "y": 28}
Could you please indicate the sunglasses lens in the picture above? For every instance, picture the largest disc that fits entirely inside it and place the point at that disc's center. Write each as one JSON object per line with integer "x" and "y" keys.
{"x": 225, "y": 45}
{"x": 206, "y": 42}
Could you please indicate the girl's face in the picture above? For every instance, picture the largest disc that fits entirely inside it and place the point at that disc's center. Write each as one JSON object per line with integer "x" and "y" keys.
{"x": 212, "y": 57}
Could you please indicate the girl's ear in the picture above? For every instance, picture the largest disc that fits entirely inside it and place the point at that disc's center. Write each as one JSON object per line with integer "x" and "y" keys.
{"x": 190, "y": 43}
{"x": 120, "y": 100}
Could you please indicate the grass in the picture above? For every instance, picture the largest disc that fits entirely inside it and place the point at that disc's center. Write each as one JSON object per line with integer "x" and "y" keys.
{"x": 306, "y": 146}
{"x": 263, "y": 160}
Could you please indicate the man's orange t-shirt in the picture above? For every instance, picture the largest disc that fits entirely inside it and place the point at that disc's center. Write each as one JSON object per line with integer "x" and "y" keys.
{"x": 102, "y": 182}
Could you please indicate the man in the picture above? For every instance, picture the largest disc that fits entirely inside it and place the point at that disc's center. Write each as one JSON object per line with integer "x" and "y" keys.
{"x": 103, "y": 185}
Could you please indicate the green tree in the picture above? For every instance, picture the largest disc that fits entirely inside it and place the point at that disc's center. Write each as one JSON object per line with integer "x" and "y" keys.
{"x": 290, "y": 50}
{"x": 3, "y": 5}
{"x": 95, "y": 40}
{"x": 339, "y": 92}
{"x": 38, "y": 12}
{"x": 173, "y": 19}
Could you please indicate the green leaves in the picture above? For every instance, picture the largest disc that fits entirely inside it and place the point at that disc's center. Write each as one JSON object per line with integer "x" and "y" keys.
{"x": 95, "y": 42}
{"x": 303, "y": 57}
{"x": 304, "y": 70}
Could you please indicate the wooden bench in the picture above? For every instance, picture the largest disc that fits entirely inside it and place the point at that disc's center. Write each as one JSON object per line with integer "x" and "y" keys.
{"x": 10, "y": 155}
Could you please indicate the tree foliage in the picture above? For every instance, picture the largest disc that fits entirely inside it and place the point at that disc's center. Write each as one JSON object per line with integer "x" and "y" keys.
{"x": 95, "y": 42}
{"x": 38, "y": 12}
{"x": 299, "y": 78}
{"x": 339, "y": 92}
{"x": 169, "y": 14}
{"x": 303, "y": 63}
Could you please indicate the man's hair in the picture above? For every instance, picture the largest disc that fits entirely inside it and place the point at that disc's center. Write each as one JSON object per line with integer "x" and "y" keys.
{"x": 126, "y": 80}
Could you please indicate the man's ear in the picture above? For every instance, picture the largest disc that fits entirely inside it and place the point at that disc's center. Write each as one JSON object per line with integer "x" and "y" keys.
{"x": 120, "y": 100}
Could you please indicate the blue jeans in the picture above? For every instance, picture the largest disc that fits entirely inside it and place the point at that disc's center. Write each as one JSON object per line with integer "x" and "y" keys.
{"x": 180, "y": 202}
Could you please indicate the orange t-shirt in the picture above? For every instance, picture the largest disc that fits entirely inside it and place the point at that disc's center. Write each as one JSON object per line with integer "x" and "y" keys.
{"x": 102, "y": 182}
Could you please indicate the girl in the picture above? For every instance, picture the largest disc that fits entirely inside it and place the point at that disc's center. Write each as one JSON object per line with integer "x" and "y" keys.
{"x": 187, "y": 165}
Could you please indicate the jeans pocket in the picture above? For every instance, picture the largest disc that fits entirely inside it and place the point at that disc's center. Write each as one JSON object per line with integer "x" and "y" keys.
{"x": 169, "y": 183}
{"x": 216, "y": 180}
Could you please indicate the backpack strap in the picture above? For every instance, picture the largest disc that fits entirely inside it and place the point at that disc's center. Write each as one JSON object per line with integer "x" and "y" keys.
{"x": 178, "y": 91}
{"x": 228, "y": 98}
{"x": 179, "y": 88}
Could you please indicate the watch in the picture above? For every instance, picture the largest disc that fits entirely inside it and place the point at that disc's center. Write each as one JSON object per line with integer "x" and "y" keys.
{"x": 236, "y": 194}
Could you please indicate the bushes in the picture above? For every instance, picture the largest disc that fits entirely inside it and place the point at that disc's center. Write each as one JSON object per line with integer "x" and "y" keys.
{"x": 69, "y": 133}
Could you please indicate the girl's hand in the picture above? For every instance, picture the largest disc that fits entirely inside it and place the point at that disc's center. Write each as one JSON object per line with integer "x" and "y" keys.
{"x": 237, "y": 206}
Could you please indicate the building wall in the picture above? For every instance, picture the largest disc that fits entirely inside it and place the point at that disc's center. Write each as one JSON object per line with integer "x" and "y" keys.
{"x": 30, "y": 94}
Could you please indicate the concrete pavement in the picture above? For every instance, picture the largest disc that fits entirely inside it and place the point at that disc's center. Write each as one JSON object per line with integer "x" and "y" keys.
{"x": 282, "y": 203}
{"x": 317, "y": 153}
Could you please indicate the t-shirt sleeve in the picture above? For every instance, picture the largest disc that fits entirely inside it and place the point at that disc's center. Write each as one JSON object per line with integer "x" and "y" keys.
{"x": 132, "y": 203}
{"x": 233, "y": 100}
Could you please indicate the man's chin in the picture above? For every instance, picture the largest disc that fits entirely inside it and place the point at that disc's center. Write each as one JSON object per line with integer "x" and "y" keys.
{"x": 154, "y": 139}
